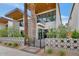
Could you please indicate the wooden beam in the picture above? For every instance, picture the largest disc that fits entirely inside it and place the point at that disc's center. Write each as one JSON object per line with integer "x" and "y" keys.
{"x": 41, "y": 7}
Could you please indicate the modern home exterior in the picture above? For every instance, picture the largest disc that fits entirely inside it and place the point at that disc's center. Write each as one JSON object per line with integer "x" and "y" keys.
{"x": 35, "y": 21}
{"x": 40, "y": 18}
{"x": 15, "y": 18}
{"x": 73, "y": 22}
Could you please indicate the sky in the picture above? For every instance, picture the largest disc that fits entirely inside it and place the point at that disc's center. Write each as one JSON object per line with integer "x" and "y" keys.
{"x": 65, "y": 10}
{"x": 6, "y": 7}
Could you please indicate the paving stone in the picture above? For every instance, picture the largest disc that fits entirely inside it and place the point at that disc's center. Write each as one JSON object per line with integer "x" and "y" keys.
{"x": 31, "y": 49}
{"x": 5, "y": 51}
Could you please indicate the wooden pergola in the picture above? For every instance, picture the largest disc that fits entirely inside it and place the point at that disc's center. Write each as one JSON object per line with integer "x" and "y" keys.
{"x": 35, "y": 8}
{"x": 41, "y": 7}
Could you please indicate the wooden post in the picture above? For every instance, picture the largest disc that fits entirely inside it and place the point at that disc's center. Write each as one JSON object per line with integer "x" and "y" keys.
{"x": 25, "y": 23}
{"x": 34, "y": 21}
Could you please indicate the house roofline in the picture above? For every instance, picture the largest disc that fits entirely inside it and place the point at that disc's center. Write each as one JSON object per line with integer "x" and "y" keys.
{"x": 13, "y": 11}
{"x": 7, "y": 19}
{"x": 59, "y": 12}
{"x": 71, "y": 13}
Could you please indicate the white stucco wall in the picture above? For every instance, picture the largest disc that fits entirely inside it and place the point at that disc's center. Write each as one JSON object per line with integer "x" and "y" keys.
{"x": 15, "y": 24}
{"x": 10, "y": 23}
{"x": 58, "y": 21}
{"x": 74, "y": 21}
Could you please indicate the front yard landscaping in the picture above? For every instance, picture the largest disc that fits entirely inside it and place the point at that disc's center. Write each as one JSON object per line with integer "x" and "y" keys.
{"x": 10, "y": 44}
{"x": 59, "y": 41}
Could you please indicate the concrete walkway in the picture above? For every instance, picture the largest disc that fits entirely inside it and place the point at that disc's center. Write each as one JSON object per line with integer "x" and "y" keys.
{"x": 5, "y": 51}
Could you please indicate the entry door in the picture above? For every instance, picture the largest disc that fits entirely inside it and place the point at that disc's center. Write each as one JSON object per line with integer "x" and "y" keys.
{"x": 40, "y": 34}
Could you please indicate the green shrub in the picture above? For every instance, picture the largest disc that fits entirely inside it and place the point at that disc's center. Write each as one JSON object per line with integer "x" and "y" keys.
{"x": 62, "y": 53}
{"x": 10, "y": 44}
{"x": 5, "y": 43}
{"x": 3, "y": 32}
{"x": 49, "y": 51}
{"x": 14, "y": 32}
{"x": 0, "y": 42}
{"x": 52, "y": 33}
{"x": 75, "y": 34}
{"x": 14, "y": 44}
{"x": 62, "y": 31}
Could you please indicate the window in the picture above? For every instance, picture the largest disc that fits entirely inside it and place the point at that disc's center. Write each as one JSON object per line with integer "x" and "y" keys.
{"x": 39, "y": 33}
{"x": 21, "y": 23}
{"x": 51, "y": 15}
{"x": 46, "y": 17}
{"x": 22, "y": 33}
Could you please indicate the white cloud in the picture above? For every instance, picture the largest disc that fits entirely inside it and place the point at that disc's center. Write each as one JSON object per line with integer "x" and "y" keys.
{"x": 62, "y": 16}
{"x": 64, "y": 19}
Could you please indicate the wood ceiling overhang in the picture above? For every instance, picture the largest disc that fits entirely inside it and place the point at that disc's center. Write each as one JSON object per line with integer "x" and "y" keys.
{"x": 3, "y": 20}
{"x": 41, "y": 7}
{"x": 15, "y": 14}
